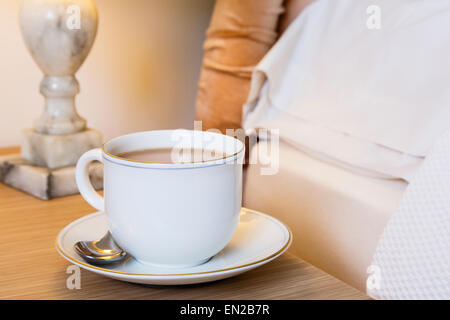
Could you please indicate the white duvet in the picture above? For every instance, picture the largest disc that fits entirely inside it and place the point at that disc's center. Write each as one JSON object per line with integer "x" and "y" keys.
{"x": 375, "y": 99}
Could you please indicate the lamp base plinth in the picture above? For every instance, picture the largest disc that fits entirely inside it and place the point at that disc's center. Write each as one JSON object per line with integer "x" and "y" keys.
{"x": 58, "y": 151}
{"x": 42, "y": 182}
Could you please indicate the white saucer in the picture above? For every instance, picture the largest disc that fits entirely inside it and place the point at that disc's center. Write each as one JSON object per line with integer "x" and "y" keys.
{"x": 259, "y": 239}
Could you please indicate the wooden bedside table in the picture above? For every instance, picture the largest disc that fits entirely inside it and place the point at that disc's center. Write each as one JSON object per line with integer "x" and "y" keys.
{"x": 30, "y": 267}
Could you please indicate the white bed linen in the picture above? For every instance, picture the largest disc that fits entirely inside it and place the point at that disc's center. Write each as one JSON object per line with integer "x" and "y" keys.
{"x": 412, "y": 259}
{"x": 336, "y": 215}
{"x": 373, "y": 98}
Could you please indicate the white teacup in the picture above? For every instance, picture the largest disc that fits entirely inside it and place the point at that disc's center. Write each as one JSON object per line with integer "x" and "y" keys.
{"x": 168, "y": 214}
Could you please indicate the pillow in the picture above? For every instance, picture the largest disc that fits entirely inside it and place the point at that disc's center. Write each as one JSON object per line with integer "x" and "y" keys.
{"x": 292, "y": 10}
{"x": 374, "y": 98}
{"x": 240, "y": 34}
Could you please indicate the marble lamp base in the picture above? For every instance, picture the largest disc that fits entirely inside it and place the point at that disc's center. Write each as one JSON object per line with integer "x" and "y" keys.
{"x": 42, "y": 182}
{"x": 58, "y": 151}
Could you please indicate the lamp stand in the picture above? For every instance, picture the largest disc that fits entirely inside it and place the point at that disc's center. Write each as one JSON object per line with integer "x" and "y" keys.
{"x": 59, "y": 35}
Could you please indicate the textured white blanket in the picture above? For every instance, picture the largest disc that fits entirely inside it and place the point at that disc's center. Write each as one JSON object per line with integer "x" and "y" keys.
{"x": 412, "y": 259}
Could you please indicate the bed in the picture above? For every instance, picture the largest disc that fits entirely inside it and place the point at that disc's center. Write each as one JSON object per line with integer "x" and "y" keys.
{"x": 336, "y": 215}
{"x": 358, "y": 103}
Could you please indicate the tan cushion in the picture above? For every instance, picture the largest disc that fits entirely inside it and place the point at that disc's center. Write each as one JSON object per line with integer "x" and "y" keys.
{"x": 292, "y": 10}
{"x": 240, "y": 34}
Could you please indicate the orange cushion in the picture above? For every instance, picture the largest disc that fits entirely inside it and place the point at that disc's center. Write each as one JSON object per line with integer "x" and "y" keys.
{"x": 240, "y": 34}
{"x": 293, "y": 9}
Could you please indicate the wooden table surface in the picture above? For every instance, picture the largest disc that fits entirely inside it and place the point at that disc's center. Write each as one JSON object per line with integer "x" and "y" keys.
{"x": 30, "y": 267}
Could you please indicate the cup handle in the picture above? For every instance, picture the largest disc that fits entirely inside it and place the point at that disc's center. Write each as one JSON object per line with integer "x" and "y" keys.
{"x": 83, "y": 182}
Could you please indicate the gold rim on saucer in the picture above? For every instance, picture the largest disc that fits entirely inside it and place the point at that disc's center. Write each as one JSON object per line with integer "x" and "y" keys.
{"x": 181, "y": 274}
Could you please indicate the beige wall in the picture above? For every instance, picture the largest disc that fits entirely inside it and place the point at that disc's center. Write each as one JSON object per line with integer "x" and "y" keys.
{"x": 140, "y": 75}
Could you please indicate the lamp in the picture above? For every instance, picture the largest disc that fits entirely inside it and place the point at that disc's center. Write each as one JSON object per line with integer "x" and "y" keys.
{"x": 59, "y": 35}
